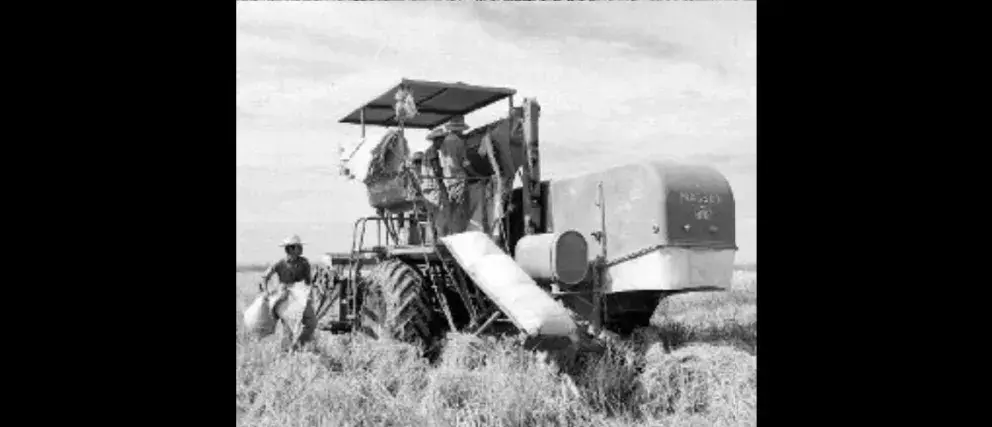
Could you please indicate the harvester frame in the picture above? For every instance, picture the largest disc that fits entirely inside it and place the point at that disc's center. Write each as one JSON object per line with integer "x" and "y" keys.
{"x": 447, "y": 295}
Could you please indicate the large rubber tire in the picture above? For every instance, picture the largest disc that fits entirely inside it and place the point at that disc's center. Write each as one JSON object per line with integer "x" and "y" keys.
{"x": 630, "y": 322}
{"x": 395, "y": 304}
{"x": 640, "y": 308}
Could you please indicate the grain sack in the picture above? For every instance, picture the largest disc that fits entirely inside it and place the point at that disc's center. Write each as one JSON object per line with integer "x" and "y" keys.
{"x": 406, "y": 104}
{"x": 296, "y": 312}
{"x": 258, "y": 317}
{"x": 387, "y": 157}
{"x": 389, "y": 187}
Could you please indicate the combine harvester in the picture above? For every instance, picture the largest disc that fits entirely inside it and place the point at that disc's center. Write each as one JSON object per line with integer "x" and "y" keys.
{"x": 550, "y": 259}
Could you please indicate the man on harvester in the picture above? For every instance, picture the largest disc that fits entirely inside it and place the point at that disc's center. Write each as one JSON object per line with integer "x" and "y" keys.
{"x": 446, "y": 159}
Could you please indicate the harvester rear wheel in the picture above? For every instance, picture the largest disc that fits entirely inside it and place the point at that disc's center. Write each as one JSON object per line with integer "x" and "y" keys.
{"x": 395, "y": 304}
{"x": 630, "y": 322}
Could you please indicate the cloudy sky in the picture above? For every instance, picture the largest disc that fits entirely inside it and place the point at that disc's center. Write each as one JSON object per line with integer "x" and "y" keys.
{"x": 617, "y": 83}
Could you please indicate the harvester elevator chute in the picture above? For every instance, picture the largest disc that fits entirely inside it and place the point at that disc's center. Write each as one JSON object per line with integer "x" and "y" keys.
{"x": 529, "y": 307}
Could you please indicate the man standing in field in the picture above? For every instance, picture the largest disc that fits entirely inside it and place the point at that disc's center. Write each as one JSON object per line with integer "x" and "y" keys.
{"x": 294, "y": 268}
{"x": 290, "y": 270}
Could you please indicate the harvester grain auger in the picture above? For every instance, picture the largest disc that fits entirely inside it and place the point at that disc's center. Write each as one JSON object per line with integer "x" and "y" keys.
{"x": 549, "y": 259}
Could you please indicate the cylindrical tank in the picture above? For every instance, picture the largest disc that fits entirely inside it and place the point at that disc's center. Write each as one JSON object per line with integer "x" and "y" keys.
{"x": 561, "y": 257}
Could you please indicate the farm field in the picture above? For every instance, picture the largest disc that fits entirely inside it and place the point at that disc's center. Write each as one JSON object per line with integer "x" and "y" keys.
{"x": 696, "y": 365}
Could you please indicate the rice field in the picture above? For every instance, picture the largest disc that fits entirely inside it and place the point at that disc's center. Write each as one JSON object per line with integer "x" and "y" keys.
{"x": 696, "y": 365}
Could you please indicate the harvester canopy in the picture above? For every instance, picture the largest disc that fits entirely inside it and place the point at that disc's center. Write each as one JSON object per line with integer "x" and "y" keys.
{"x": 436, "y": 103}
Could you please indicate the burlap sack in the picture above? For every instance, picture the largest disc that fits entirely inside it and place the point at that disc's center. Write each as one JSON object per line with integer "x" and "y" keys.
{"x": 258, "y": 317}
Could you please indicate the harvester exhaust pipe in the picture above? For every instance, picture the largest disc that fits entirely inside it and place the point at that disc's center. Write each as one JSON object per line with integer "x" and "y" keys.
{"x": 531, "y": 187}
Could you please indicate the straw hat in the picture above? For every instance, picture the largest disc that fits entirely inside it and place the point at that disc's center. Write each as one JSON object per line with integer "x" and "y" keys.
{"x": 436, "y": 133}
{"x": 454, "y": 124}
{"x": 292, "y": 240}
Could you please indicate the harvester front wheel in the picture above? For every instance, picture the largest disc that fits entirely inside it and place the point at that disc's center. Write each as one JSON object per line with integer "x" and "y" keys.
{"x": 395, "y": 304}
